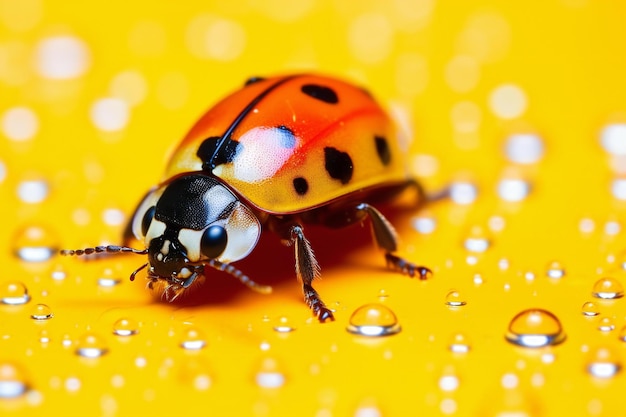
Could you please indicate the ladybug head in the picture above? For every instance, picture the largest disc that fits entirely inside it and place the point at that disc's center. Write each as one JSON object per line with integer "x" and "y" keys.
{"x": 186, "y": 223}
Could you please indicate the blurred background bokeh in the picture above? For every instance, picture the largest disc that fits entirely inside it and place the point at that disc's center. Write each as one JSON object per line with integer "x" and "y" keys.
{"x": 518, "y": 106}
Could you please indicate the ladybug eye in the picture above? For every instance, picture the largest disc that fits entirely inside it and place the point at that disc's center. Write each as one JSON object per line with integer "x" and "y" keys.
{"x": 147, "y": 219}
{"x": 213, "y": 242}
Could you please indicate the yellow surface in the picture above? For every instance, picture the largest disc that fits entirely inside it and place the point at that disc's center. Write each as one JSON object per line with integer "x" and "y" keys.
{"x": 462, "y": 76}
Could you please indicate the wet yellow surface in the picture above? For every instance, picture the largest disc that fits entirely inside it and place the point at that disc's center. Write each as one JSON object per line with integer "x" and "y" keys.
{"x": 519, "y": 106}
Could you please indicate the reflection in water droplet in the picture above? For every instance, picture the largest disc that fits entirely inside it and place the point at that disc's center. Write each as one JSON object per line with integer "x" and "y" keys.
{"x": 459, "y": 343}
{"x": 454, "y": 299}
{"x": 58, "y": 274}
{"x": 607, "y": 288}
{"x": 555, "y": 270}
{"x": 34, "y": 244}
{"x": 108, "y": 279}
{"x": 125, "y": 327}
{"x": 603, "y": 363}
{"x": 283, "y": 326}
{"x": 91, "y": 345}
{"x": 606, "y": 324}
{"x": 41, "y": 312}
{"x": 269, "y": 375}
{"x": 14, "y": 293}
{"x": 590, "y": 309}
{"x": 192, "y": 339}
{"x": 44, "y": 337}
{"x": 373, "y": 320}
{"x": 13, "y": 381}
{"x": 477, "y": 241}
{"x": 535, "y": 328}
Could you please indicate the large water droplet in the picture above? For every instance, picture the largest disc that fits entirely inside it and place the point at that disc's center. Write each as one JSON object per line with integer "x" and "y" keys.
{"x": 91, "y": 345}
{"x": 603, "y": 363}
{"x": 125, "y": 327}
{"x": 14, "y": 293}
{"x": 607, "y": 288}
{"x": 41, "y": 312}
{"x": 373, "y": 320}
{"x": 269, "y": 374}
{"x": 535, "y": 328}
{"x": 34, "y": 244}
{"x": 590, "y": 309}
{"x": 454, "y": 299}
{"x": 13, "y": 381}
{"x": 192, "y": 338}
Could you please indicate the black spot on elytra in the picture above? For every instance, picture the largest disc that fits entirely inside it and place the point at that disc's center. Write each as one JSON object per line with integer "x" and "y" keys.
{"x": 320, "y": 92}
{"x": 225, "y": 155}
{"x": 382, "y": 148}
{"x": 300, "y": 185}
{"x": 253, "y": 80}
{"x": 338, "y": 164}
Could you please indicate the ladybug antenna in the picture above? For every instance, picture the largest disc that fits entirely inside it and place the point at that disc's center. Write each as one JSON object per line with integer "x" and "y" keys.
{"x": 103, "y": 249}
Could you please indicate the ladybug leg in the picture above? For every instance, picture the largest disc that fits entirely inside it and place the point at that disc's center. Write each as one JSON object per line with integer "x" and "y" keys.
{"x": 385, "y": 237}
{"x": 307, "y": 269}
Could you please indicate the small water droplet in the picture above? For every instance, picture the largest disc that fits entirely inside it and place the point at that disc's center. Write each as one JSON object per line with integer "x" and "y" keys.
{"x": 603, "y": 363}
{"x": 58, "y": 274}
{"x": 622, "y": 334}
{"x": 283, "y": 326}
{"x": 424, "y": 224}
{"x": 463, "y": 192}
{"x": 33, "y": 191}
{"x": 91, "y": 345}
{"x": 373, "y": 320}
{"x": 125, "y": 327}
{"x": 607, "y": 288}
{"x": 269, "y": 374}
{"x": 606, "y": 324}
{"x": 555, "y": 270}
{"x": 13, "y": 381}
{"x": 459, "y": 343}
{"x": 44, "y": 337}
{"x": 535, "y": 328}
{"x": 192, "y": 339}
{"x": 109, "y": 279}
{"x": 513, "y": 189}
{"x": 449, "y": 383}
{"x": 454, "y": 299}
{"x": 34, "y": 244}
{"x": 478, "y": 240}
{"x": 590, "y": 309}
{"x": 524, "y": 148}
{"x": 41, "y": 312}
{"x": 14, "y": 293}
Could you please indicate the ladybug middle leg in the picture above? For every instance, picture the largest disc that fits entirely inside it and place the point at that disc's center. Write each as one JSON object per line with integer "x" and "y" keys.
{"x": 307, "y": 269}
{"x": 385, "y": 237}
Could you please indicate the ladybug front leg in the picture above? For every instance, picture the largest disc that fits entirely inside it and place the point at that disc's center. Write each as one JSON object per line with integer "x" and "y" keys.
{"x": 307, "y": 269}
{"x": 385, "y": 237}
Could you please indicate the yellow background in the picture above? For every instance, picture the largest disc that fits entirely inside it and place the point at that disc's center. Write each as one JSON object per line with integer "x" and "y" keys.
{"x": 440, "y": 68}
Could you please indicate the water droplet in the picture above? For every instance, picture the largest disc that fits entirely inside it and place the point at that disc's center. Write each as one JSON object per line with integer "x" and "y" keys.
{"x": 284, "y": 326}
{"x": 606, "y": 324}
{"x": 535, "y": 328}
{"x": 454, "y": 299}
{"x": 269, "y": 375}
{"x": 373, "y": 320}
{"x": 109, "y": 279}
{"x": 449, "y": 383}
{"x": 192, "y": 339}
{"x": 44, "y": 337}
{"x": 125, "y": 327}
{"x": 607, "y": 288}
{"x": 424, "y": 224}
{"x": 33, "y": 191}
{"x": 603, "y": 363}
{"x": 13, "y": 381}
{"x": 613, "y": 138}
{"x": 590, "y": 309}
{"x": 555, "y": 270}
{"x": 513, "y": 189}
{"x": 58, "y": 274}
{"x": 622, "y": 334}
{"x": 41, "y": 312}
{"x": 463, "y": 193}
{"x": 524, "y": 148}
{"x": 459, "y": 343}
{"x": 34, "y": 244}
{"x": 478, "y": 240}
{"x": 91, "y": 345}
{"x": 14, "y": 293}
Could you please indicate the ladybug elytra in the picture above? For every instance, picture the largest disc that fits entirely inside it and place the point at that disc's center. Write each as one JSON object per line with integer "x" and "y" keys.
{"x": 279, "y": 154}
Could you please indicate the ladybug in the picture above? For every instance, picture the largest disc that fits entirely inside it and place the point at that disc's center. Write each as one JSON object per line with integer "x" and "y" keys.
{"x": 278, "y": 154}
